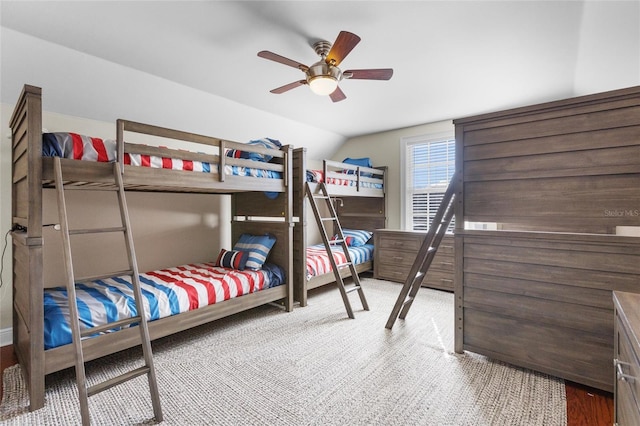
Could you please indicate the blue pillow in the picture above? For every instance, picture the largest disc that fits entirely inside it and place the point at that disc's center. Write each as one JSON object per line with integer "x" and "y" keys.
{"x": 232, "y": 259}
{"x": 257, "y": 247}
{"x": 264, "y": 143}
{"x": 356, "y": 237}
{"x": 362, "y": 162}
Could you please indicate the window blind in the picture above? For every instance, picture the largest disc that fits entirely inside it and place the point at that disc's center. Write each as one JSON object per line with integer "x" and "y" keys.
{"x": 430, "y": 166}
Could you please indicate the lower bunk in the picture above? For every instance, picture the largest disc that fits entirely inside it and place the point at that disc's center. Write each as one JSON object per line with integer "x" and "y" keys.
{"x": 175, "y": 299}
{"x": 166, "y": 292}
{"x": 358, "y": 194}
{"x": 319, "y": 270}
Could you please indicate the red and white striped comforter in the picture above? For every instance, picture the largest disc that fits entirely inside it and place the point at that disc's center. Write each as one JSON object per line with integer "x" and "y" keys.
{"x": 318, "y": 262}
{"x": 80, "y": 147}
{"x": 165, "y": 292}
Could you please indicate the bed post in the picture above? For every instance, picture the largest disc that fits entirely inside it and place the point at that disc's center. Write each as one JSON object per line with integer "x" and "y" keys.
{"x": 26, "y": 212}
{"x": 299, "y": 232}
{"x": 458, "y": 242}
{"x": 288, "y": 175}
{"x": 120, "y": 143}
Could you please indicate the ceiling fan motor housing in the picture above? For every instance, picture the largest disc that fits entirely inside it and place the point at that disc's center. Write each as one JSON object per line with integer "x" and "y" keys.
{"x": 322, "y": 70}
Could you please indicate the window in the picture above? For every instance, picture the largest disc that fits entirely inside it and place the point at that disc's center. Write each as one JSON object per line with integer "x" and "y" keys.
{"x": 429, "y": 164}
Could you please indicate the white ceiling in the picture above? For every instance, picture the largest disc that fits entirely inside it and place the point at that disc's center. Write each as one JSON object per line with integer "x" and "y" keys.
{"x": 450, "y": 58}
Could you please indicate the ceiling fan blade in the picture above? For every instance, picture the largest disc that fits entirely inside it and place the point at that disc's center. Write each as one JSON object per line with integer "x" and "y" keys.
{"x": 344, "y": 44}
{"x": 337, "y": 95}
{"x": 288, "y": 87}
{"x": 281, "y": 59}
{"x": 371, "y": 74}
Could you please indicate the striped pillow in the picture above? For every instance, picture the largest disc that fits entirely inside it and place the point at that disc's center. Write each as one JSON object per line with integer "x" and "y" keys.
{"x": 264, "y": 143}
{"x": 257, "y": 247}
{"x": 232, "y": 259}
{"x": 348, "y": 240}
{"x": 356, "y": 237}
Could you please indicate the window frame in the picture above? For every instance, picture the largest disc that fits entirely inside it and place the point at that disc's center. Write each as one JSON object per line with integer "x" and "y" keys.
{"x": 405, "y": 143}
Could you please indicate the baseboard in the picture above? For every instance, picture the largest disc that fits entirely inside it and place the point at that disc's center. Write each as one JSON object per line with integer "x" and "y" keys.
{"x": 6, "y": 336}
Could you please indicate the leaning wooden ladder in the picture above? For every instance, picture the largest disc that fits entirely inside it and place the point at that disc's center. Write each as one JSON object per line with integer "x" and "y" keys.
{"x": 425, "y": 256}
{"x": 330, "y": 244}
{"x": 84, "y": 391}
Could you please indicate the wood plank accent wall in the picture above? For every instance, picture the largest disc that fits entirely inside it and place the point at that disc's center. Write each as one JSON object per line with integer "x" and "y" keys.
{"x": 557, "y": 178}
{"x": 573, "y": 166}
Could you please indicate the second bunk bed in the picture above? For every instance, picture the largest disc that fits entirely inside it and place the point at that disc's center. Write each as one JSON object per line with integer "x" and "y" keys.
{"x": 358, "y": 195}
{"x": 259, "y": 179}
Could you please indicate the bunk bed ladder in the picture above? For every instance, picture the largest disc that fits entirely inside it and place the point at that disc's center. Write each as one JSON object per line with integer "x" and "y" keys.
{"x": 425, "y": 256}
{"x": 85, "y": 391}
{"x": 330, "y": 244}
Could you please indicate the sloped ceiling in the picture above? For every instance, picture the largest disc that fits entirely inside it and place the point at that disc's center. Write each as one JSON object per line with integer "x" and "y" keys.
{"x": 451, "y": 58}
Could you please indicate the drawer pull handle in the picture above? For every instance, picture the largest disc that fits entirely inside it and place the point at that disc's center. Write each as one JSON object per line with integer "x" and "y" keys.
{"x": 620, "y": 374}
{"x": 444, "y": 280}
{"x": 446, "y": 263}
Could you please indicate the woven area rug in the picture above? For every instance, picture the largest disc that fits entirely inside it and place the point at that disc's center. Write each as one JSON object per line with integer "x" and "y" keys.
{"x": 313, "y": 366}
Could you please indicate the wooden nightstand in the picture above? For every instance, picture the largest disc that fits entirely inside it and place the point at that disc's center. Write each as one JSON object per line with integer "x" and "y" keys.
{"x": 627, "y": 358}
{"x": 395, "y": 252}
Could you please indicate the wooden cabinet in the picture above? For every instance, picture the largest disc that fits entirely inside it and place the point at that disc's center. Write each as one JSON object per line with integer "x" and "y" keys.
{"x": 627, "y": 358}
{"x": 396, "y": 251}
{"x": 557, "y": 179}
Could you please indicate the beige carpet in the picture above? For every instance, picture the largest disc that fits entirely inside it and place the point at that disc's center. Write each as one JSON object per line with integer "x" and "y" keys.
{"x": 313, "y": 366}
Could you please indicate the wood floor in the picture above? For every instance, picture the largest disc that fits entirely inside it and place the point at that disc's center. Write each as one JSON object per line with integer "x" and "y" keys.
{"x": 585, "y": 406}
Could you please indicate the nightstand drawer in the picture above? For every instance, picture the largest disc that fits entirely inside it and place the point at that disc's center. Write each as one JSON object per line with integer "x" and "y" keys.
{"x": 396, "y": 251}
{"x": 627, "y": 412}
{"x": 627, "y": 358}
{"x": 394, "y": 257}
{"x": 409, "y": 243}
{"x": 392, "y": 273}
{"x": 442, "y": 262}
{"x": 627, "y": 364}
{"x": 438, "y": 279}
{"x": 446, "y": 246}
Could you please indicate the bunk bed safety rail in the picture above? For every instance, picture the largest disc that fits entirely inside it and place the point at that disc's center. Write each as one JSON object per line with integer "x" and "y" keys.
{"x": 352, "y": 175}
{"x": 221, "y": 146}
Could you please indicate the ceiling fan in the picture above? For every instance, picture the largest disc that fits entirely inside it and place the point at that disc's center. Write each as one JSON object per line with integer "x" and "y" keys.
{"x": 323, "y": 76}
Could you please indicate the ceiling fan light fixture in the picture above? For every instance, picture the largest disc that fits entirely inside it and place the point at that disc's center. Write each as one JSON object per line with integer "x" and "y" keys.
{"x": 323, "y": 76}
{"x": 323, "y": 85}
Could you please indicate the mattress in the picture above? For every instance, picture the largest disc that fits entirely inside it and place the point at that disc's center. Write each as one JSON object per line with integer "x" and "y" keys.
{"x": 317, "y": 176}
{"x": 165, "y": 292}
{"x": 79, "y": 147}
{"x": 318, "y": 262}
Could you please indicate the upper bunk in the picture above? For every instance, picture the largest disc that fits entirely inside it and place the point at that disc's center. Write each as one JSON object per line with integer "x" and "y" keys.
{"x": 214, "y": 165}
{"x": 348, "y": 179}
{"x": 359, "y": 191}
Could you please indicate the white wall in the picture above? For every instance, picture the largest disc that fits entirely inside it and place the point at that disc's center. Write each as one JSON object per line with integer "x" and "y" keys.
{"x": 607, "y": 38}
{"x": 80, "y": 85}
{"x": 74, "y": 89}
{"x": 600, "y": 46}
{"x": 384, "y": 150}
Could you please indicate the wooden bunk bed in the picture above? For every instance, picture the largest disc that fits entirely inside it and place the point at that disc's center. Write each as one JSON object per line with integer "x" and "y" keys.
{"x": 360, "y": 205}
{"x": 32, "y": 172}
{"x": 557, "y": 180}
